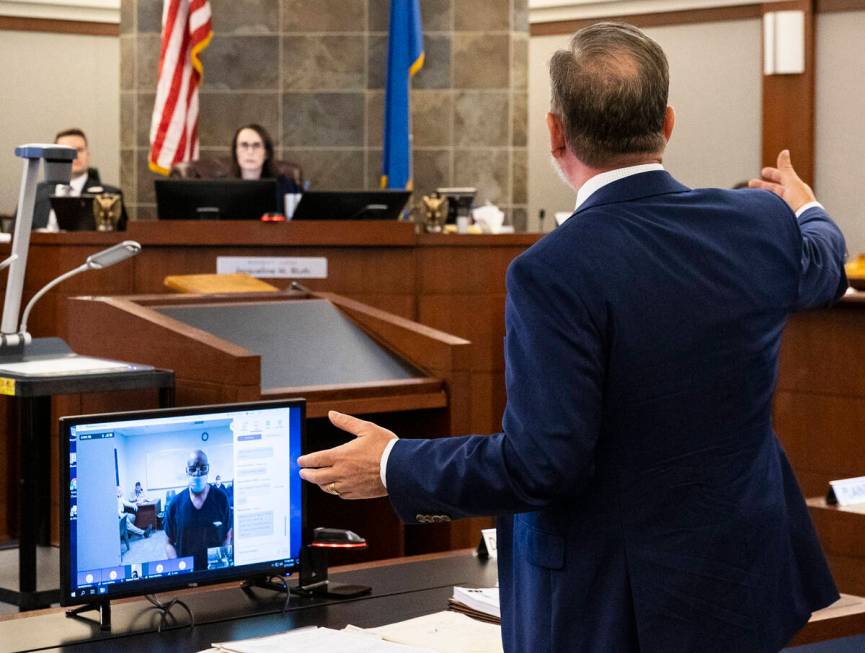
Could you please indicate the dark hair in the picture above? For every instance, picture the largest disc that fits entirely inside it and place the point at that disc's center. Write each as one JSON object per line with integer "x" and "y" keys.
{"x": 268, "y": 171}
{"x": 74, "y": 131}
{"x": 610, "y": 91}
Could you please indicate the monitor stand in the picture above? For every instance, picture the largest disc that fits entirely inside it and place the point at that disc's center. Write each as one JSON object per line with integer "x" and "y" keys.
{"x": 104, "y": 609}
{"x": 273, "y": 583}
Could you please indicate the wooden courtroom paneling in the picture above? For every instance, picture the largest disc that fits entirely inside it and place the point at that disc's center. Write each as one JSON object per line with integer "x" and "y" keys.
{"x": 788, "y": 103}
{"x": 842, "y": 533}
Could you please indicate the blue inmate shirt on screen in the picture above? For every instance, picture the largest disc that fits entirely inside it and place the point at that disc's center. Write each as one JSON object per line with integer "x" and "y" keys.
{"x": 192, "y": 531}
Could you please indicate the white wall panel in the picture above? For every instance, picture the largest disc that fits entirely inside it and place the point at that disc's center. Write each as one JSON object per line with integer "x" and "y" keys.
{"x": 715, "y": 87}
{"x": 840, "y": 122}
{"x": 51, "y": 82}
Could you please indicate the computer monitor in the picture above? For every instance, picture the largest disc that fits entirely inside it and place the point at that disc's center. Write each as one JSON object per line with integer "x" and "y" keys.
{"x": 215, "y": 199}
{"x": 351, "y": 205}
{"x": 164, "y": 499}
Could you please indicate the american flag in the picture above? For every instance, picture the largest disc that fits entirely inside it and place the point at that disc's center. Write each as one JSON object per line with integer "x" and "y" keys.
{"x": 186, "y": 31}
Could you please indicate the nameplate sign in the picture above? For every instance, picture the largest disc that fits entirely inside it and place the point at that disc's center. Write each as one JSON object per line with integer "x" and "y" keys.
{"x": 849, "y": 491}
{"x": 274, "y": 267}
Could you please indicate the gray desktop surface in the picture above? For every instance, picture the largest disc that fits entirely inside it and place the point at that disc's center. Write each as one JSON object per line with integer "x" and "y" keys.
{"x": 301, "y": 342}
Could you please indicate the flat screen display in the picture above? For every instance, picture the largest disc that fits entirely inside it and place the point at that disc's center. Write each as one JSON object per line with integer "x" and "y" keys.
{"x": 164, "y": 499}
{"x": 215, "y": 199}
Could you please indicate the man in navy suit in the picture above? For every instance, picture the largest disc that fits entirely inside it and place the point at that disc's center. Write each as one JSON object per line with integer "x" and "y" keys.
{"x": 644, "y": 502}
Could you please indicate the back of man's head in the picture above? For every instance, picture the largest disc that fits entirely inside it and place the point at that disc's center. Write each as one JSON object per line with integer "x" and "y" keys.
{"x": 74, "y": 131}
{"x": 610, "y": 92}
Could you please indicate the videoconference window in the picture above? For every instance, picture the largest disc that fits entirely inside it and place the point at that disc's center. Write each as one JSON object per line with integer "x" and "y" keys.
{"x": 180, "y": 495}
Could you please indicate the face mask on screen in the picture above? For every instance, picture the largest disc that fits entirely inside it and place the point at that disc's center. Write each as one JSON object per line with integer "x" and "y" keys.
{"x": 197, "y": 483}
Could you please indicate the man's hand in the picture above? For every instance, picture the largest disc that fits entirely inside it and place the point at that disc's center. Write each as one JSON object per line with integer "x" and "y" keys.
{"x": 352, "y": 470}
{"x": 785, "y": 183}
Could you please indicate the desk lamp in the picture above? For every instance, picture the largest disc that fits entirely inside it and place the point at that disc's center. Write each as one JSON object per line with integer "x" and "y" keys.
{"x": 313, "y": 565}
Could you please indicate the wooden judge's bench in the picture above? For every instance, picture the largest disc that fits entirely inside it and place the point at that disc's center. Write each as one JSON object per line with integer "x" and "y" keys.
{"x": 379, "y": 274}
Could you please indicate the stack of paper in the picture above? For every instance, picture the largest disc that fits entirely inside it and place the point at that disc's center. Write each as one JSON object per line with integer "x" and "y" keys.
{"x": 481, "y": 603}
{"x": 445, "y": 632}
{"x": 317, "y": 640}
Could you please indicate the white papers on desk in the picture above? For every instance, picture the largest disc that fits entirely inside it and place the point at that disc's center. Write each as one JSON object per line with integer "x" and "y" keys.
{"x": 318, "y": 640}
{"x": 445, "y": 632}
{"x": 480, "y": 599}
{"x": 66, "y": 365}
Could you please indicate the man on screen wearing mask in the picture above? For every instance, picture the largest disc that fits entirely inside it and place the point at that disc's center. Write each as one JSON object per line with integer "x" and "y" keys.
{"x": 199, "y": 519}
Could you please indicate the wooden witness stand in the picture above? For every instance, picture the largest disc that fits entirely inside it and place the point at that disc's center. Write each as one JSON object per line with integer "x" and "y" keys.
{"x": 212, "y": 370}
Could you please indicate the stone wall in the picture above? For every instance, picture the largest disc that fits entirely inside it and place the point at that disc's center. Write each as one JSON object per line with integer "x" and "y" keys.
{"x": 312, "y": 72}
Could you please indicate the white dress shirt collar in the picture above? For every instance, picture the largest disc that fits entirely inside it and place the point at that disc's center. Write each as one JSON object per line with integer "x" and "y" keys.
{"x": 600, "y": 180}
{"x": 77, "y": 184}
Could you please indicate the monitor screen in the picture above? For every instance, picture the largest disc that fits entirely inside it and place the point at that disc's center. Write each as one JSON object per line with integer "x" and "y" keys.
{"x": 215, "y": 199}
{"x": 351, "y": 205}
{"x": 164, "y": 499}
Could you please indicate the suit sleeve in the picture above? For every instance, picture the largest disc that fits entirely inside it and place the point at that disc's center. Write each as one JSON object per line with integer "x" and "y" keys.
{"x": 554, "y": 374}
{"x": 822, "y": 279}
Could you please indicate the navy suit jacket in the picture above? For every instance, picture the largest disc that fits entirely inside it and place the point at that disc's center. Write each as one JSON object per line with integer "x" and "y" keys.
{"x": 644, "y": 501}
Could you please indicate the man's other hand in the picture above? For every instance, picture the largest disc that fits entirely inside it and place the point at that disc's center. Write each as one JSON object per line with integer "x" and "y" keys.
{"x": 351, "y": 470}
{"x": 785, "y": 183}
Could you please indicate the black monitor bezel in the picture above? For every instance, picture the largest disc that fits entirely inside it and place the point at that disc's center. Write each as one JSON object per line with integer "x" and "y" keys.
{"x": 217, "y": 188}
{"x": 167, "y": 583}
{"x": 313, "y": 204}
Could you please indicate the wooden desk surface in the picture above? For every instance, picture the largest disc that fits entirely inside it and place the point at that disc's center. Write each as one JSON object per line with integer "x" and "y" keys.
{"x": 402, "y": 589}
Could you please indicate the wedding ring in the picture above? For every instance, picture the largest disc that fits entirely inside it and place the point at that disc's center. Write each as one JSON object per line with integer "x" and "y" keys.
{"x": 332, "y": 488}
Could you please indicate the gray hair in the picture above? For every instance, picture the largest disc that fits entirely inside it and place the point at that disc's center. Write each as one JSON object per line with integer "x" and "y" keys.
{"x": 610, "y": 91}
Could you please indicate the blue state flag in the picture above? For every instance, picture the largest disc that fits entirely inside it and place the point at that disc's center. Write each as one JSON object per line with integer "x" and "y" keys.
{"x": 405, "y": 57}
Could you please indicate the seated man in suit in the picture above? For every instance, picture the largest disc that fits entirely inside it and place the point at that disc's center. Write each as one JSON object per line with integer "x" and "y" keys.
{"x": 84, "y": 179}
{"x": 644, "y": 502}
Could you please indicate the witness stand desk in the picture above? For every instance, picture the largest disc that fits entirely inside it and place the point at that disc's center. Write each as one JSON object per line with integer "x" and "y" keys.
{"x": 31, "y": 396}
{"x": 401, "y": 589}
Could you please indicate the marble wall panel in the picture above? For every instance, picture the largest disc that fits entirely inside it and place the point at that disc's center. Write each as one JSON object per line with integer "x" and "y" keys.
{"x": 430, "y": 170}
{"x": 436, "y": 71}
{"x": 313, "y": 73}
{"x": 376, "y": 61}
{"x": 149, "y": 16}
{"x": 144, "y": 114}
{"x": 323, "y": 119}
{"x": 144, "y": 179}
{"x": 431, "y": 118}
{"x": 482, "y": 15}
{"x": 127, "y": 17}
{"x": 481, "y": 60}
{"x": 373, "y": 168}
{"x": 378, "y": 15}
{"x": 323, "y": 62}
{"x": 241, "y": 63}
{"x": 485, "y": 169}
{"x": 374, "y": 118}
{"x": 324, "y": 15}
{"x": 481, "y": 118}
{"x": 127, "y": 63}
{"x": 221, "y": 113}
{"x": 519, "y": 218}
{"x": 519, "y": 61}
{"x": 519, "y": 119}
{"x": 331, "y": 169}
{"x": 519, "y": 176}
{"x": 128, "y": 181}
{"x": 437, "y": 15}
{"x": 521, "y": 16}
{"x": 127, "y": 119}
{"x": 244, "y": 16}
{"x": 146, "y": 61}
